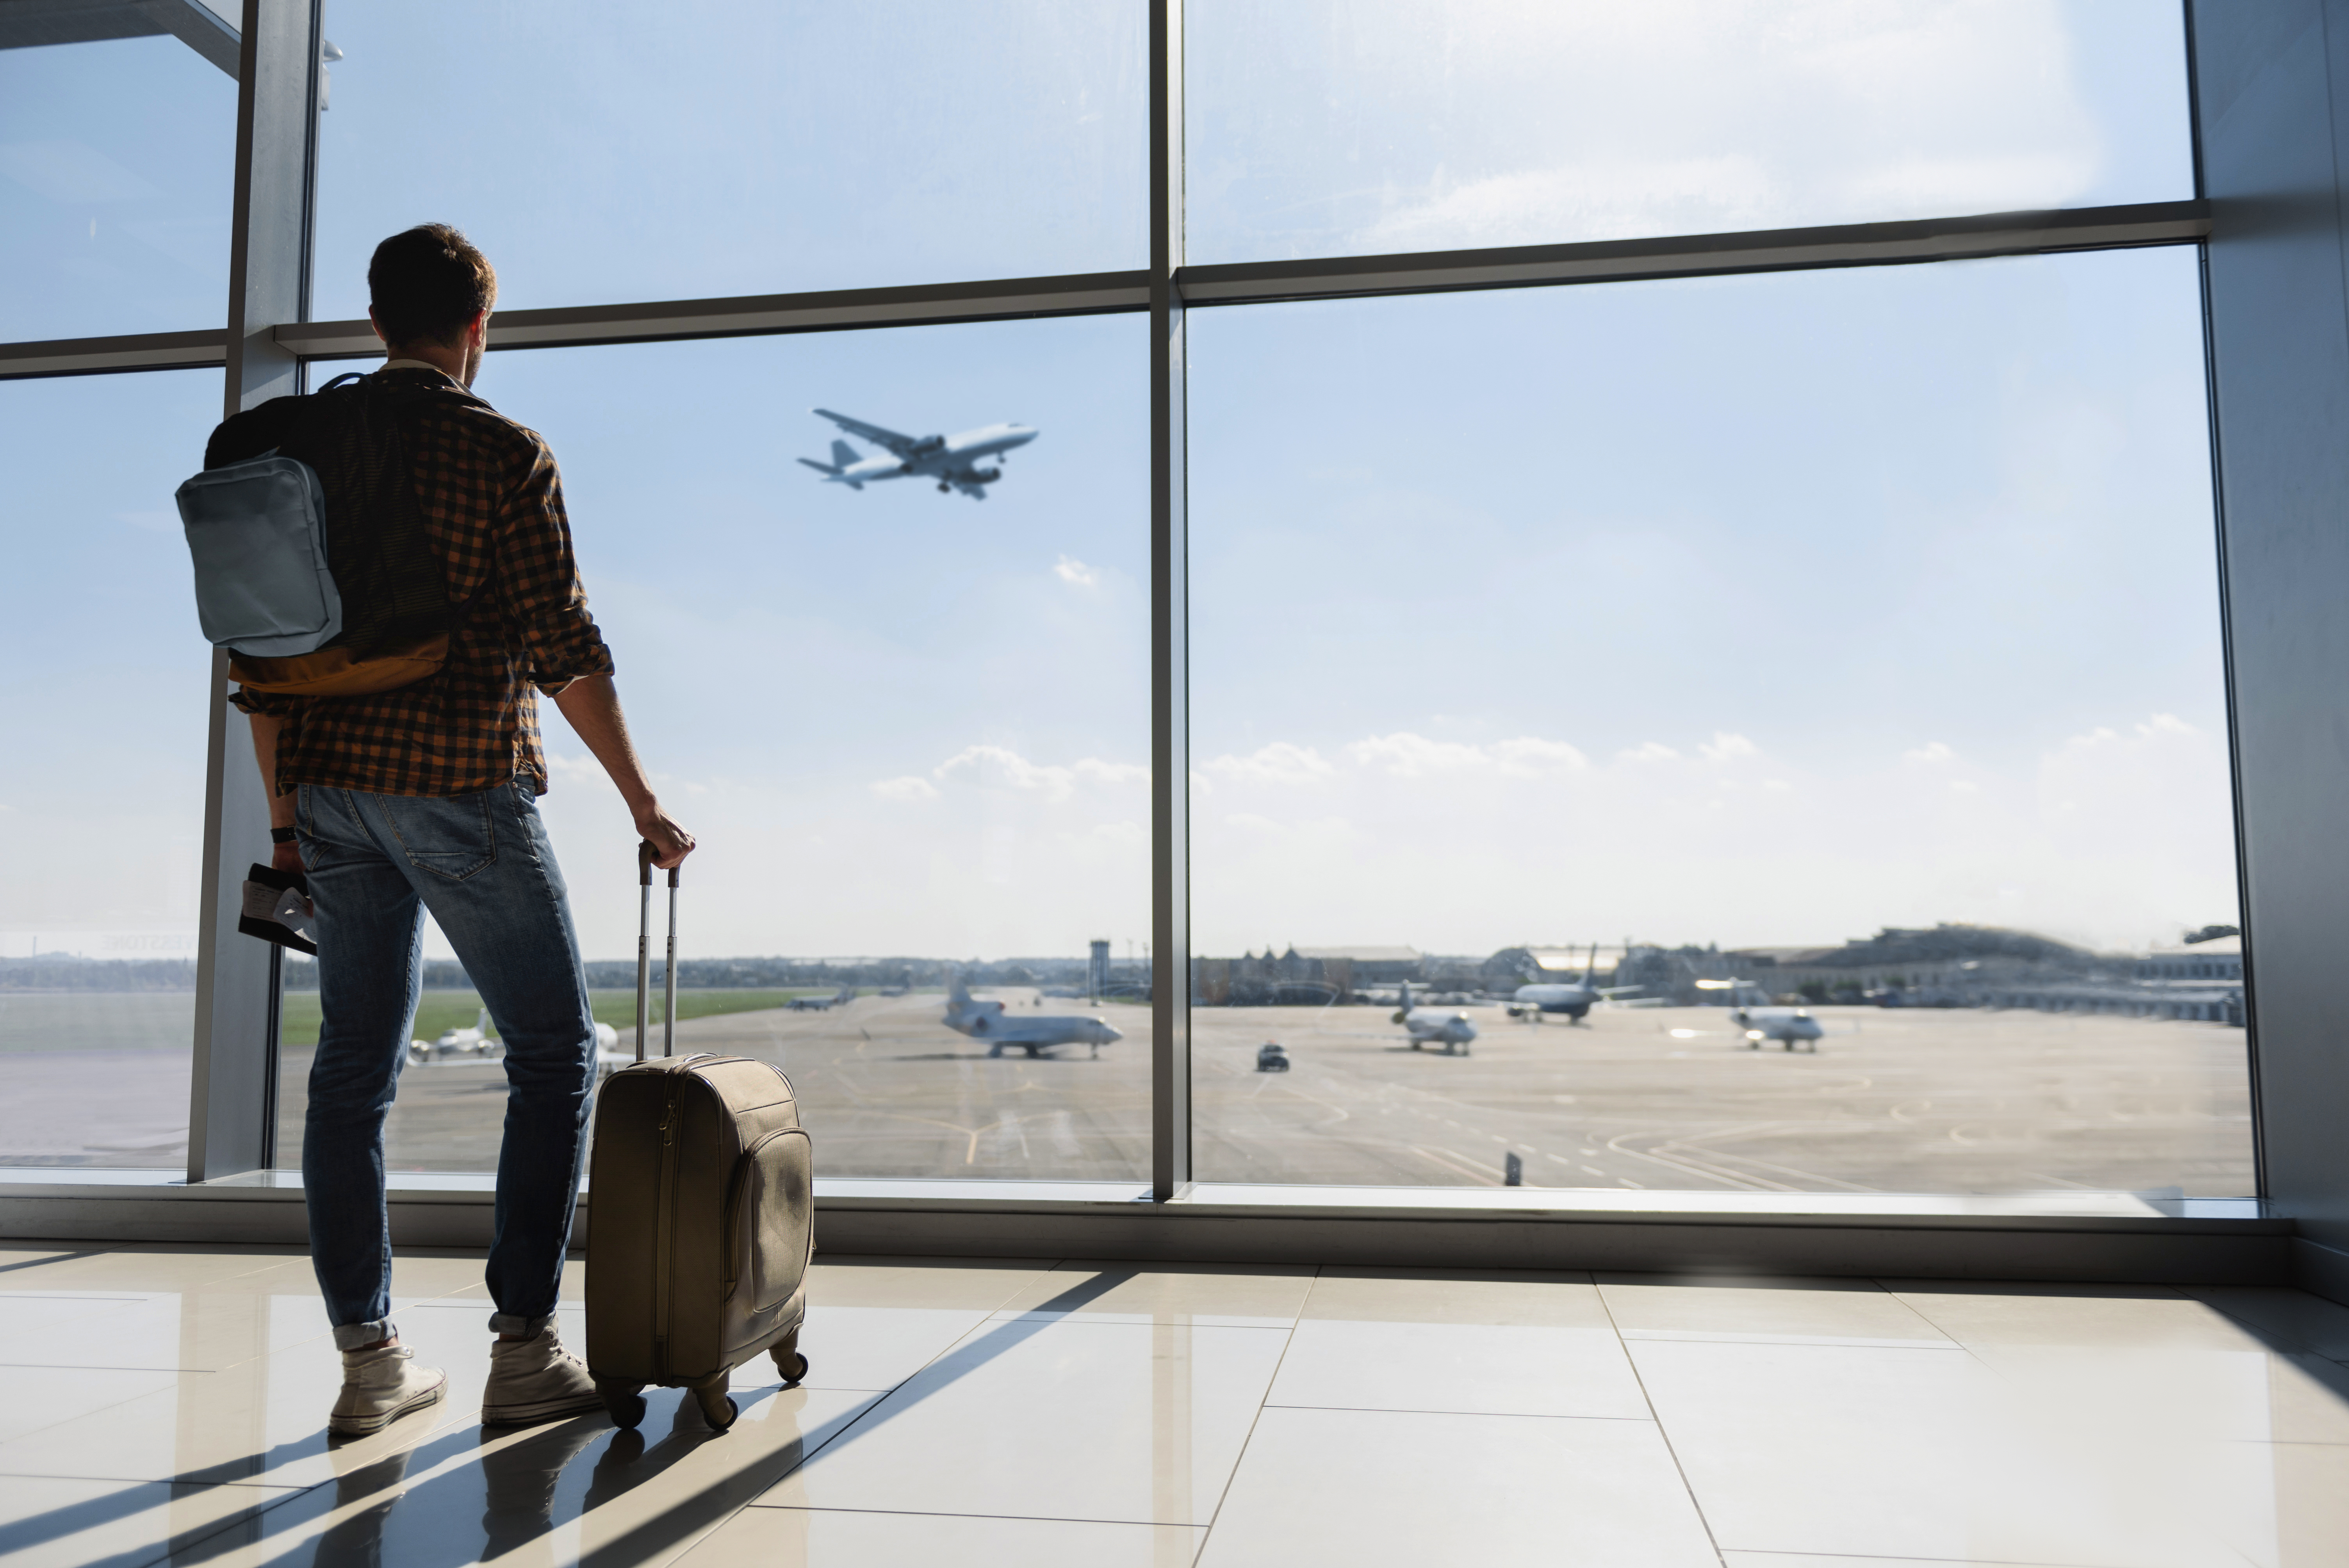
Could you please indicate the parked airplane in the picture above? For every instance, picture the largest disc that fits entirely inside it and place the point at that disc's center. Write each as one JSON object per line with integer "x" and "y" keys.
{"x": 839, "y": 998}
{"x": 1429, "y": 1026}
{"x": 476, "y": 1042}
{"x": 984, "y": 1021}
{"x": 1574, "y": 998}
{"x": 952, "y": 461}
{"x": 1784, "y": 1025}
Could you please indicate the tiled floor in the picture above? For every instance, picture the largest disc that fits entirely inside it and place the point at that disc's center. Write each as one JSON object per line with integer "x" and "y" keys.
{"x": 162, "y": 1403}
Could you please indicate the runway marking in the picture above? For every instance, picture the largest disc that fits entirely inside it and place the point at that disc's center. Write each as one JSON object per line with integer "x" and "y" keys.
{"x": 1456, "y": 1165}
{"x": 1687, "y": 1167}
{"x": 1796, "y": 1171}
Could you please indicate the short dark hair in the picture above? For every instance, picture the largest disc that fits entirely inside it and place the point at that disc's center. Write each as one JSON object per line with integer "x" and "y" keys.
{"x": 426, "y": 284}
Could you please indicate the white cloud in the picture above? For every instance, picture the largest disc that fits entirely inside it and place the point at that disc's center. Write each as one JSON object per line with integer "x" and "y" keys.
{"x": 909, "y": 787}
{"x": 1005, "y": 768}
{"x": 1405, "y": 755}
{"x": 1093, "y": 770}
{"x": 1676, "y": 117}
{"x": 1626, "y": 198}
{"x": 1076, "y": 574}
{"x": 561, "y": 768}
{"x": 2116, "y": 835}
{"x": 1279, "y": 763}
{"x": 1526, "y": 756}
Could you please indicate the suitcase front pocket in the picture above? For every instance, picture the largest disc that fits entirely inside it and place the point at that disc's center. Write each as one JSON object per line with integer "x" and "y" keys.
{"x": 769, "y": 1225}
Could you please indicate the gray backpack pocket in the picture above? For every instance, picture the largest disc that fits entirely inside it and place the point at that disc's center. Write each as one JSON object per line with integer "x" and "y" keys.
{"x": 256, "y": 530}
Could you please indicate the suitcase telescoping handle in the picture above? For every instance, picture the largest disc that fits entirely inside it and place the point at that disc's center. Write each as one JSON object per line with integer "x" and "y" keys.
{"x": 645, "y": 854}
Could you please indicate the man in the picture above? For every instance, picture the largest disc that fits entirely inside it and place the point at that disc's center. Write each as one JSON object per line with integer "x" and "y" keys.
{"x": 422, "y": 799}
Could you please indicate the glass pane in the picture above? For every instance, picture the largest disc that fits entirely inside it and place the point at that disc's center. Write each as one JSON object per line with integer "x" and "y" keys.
{"x": 1843, "y": 644}
{"x": 1401, "y": 125}
{"x": 910, "y": 730}
{"x": 102, "y": 792}
{"x": 117, "y": 176}
{"x": 631, "y": 152}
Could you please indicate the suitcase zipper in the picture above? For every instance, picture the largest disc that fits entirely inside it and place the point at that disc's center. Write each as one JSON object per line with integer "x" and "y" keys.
{"x": 664, "y": 1242}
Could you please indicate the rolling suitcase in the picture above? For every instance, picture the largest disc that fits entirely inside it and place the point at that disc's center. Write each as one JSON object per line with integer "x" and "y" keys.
{"x": 700, "y": 1214}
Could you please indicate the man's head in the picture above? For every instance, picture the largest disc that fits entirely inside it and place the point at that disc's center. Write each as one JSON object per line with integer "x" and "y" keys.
{"x": 429, "y": 293}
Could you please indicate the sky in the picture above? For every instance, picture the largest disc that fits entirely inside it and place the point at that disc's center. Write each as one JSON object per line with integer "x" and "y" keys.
{"x": 1761, "y": 610}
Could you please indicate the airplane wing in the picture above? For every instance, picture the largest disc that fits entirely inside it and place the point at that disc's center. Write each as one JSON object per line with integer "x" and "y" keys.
{"x": 897, "y": 444}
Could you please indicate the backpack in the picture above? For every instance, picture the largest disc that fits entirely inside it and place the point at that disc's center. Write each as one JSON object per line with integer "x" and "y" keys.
{"x": 312, "y": 565}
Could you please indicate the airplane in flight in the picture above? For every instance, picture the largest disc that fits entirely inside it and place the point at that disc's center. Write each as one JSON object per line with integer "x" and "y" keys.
{"x": 986, "y": 1021}
{"x": 1433, "y": 1027}
{"x": 1784, "y": 1025}
{"x": 839, "y": 998}
{"x": 952, "y": 461}
{"x": 1573, "y": 998}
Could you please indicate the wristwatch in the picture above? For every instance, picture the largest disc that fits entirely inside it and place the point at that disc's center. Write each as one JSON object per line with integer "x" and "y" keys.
{"x": 283, "y": 835}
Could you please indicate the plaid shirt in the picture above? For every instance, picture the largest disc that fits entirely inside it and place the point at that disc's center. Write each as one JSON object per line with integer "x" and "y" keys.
{"x": 493, "y": 511}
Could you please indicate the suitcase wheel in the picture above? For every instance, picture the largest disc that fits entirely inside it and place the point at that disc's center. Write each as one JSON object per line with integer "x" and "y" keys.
{"x": 716, "y": 1408}
{"x": 793, "y": 1365}
{"x": 625, "y": 1402}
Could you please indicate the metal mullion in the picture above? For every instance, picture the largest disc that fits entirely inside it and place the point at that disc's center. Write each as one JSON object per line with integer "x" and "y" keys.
{"x": 105, "y": 356}
{"x": 1170, "y": 745}
{"x": 231, "y": 1081}
{"x": 1091, "y": 294}
{"x": 749, "y": 316}
{"x": 1907, "y": 242}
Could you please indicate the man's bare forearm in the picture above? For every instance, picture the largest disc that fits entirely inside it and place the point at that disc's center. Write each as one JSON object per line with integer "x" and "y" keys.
{"x": 591, "y": 705}
{"x": 265, "y": 751}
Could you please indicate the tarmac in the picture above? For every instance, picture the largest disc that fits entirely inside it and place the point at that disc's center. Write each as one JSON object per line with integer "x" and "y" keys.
{"x": 1892, "y": 1100}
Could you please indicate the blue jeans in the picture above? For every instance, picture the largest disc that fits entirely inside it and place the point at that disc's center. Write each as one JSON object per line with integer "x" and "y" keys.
{"x": 482, "y": 865}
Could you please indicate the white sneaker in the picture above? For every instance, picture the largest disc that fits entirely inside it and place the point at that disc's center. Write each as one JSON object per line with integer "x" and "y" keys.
{"x": 535, "y": 1380}
{"x": 381, "y": 1386}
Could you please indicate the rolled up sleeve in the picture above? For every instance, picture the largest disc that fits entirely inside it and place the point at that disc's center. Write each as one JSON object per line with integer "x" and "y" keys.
{"x": 539, "y": 579}
{"x": 261, "y": 702}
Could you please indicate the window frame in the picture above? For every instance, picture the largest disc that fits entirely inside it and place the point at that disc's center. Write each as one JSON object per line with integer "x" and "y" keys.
{"x": 271, "y": 341}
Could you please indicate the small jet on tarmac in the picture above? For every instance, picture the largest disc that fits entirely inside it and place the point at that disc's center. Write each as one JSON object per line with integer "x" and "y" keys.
{"x": 1433, "y": 1027}
{"x": 952, "y": 461}
{"x": 1784, "y": 1025}
{"x": 986, "y": 1021}
{"x": 839, "y": 998}
{"x": 1574, "y": 998}
{"x": 477, "y": 1042}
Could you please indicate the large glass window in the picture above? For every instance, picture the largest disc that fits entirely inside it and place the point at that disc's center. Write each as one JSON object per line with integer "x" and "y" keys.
{"x": 1839, "y": 646}
{"x": 1378, "y": 126}
{"x": 101, "y": 785}
{"x": 1745, "y": 732}
{"x": 115, "y": 177}
{"x": 909, "y": 728}
{"x": 630, "y": 153}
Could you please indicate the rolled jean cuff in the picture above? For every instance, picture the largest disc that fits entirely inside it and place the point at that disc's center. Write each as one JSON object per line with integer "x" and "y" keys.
{"x": 514, "y": 1322}
{"x": 352, "y": 1336}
